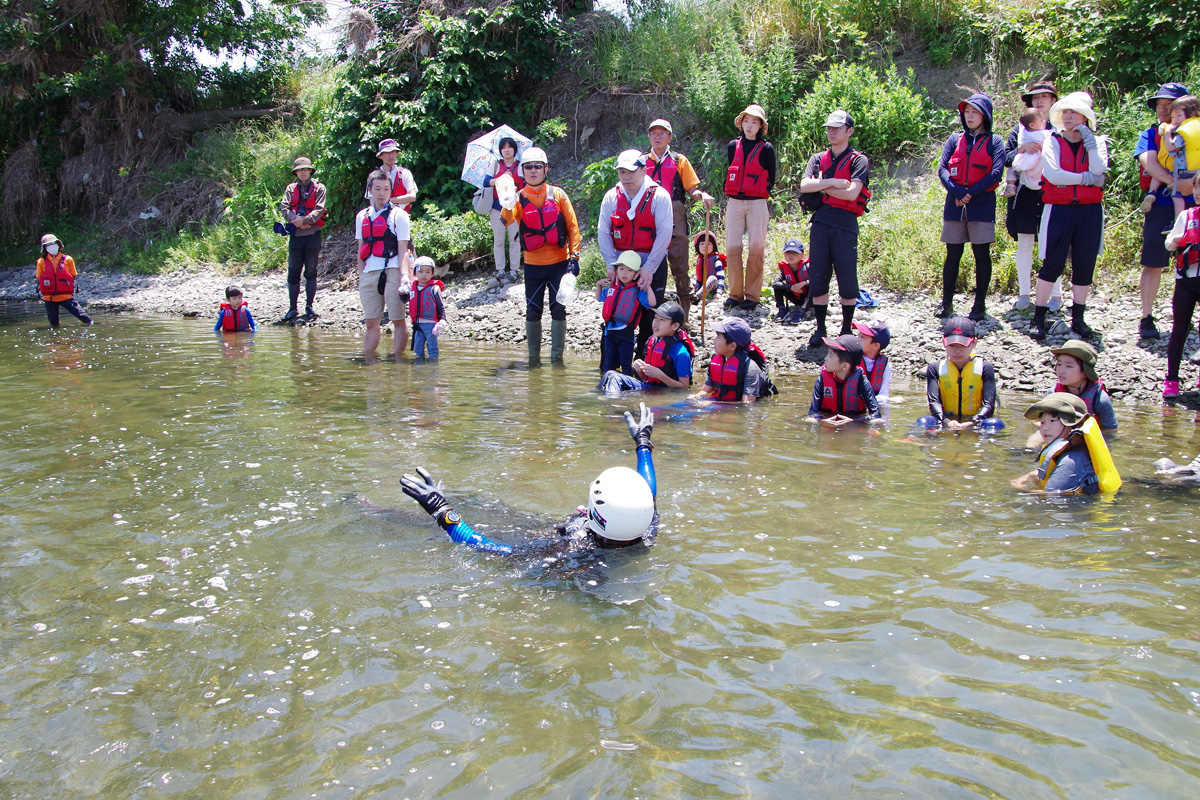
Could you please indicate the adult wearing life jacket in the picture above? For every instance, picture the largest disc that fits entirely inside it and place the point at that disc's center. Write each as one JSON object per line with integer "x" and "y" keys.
{"x": 1184, "y": 242}
{"x": 1154, "y": 256}
{"x": 1075, "y": 161}
{"x": 1024, "y": 215}
{"x": 840, "y": 175}
{"x": 504, "y": 235}
{"x": 675, "y": 173}
{"x": 734, "y": 374}
{"x": 55, "y": 274}
{"x": 1074, "y": 458}
{"x": 404, "y": 187}
{"x": 668, "y": 357}
{"x": 549, "y": 237}
{"x": 234, "y": 315}
{"x": 1075, "y": 373}
{"x": 748, "y": 183}
{"x": 971, "y": 167}
{"x": 382, "y": 231}
{"x": 841, "y": 392}
{"x": 303, "y": 208}
{"x": 636, "y": 215}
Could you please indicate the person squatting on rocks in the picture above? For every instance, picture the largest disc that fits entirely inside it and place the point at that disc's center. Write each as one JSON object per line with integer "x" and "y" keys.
{"x": 674, "y": 172}
{"x": 303, "y": 209}
{"x": 836, "y": 181}
{"x": 382, "y": 230}
{"x": 1073, "y": 219}
{"x": 55, "y": 274}
{"x": 1161, "y": 213}
{"x": 1024, "y": 188}
{"x": 620, "y": 510}
{"x": 748, "y": 183}
{"x": 504, "y": 235}
{"x": 550, "y": 241}
{"x": 636, "y": 215}
{"x": 971, "y": 167}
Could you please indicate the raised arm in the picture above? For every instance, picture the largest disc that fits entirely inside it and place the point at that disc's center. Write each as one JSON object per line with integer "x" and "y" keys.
{"x": 640, "y": 431}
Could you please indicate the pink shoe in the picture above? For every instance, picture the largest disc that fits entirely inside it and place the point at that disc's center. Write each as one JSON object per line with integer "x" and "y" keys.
{"x": 1170, "y": 388}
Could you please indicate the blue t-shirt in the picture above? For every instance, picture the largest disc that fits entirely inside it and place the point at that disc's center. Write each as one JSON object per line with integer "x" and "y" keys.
{"x": 682, "y": 360}
{"x": 1148, "y": 143}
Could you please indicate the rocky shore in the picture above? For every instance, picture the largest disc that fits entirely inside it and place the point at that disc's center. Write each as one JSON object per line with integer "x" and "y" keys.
{"x": 479, "y": 310}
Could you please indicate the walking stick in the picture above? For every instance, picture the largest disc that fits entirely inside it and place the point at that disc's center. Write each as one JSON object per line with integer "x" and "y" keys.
{"x": 704, "y": 279}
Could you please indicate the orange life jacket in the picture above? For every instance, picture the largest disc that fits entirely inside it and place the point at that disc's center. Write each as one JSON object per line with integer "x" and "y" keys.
{"x": 637, "y": 233}
{"x": 746, "y": 175}
{"x": 1070, "y": 195}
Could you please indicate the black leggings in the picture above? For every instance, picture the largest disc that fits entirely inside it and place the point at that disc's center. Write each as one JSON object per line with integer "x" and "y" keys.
{"x": 983, "y": 268}
{"x": 540, "y": 278}
{"x": 1183, "y": 303}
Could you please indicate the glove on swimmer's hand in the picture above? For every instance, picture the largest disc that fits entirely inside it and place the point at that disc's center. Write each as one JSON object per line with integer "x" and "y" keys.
{"x": 640, "y": 431}
{"x": 424, "y": 490}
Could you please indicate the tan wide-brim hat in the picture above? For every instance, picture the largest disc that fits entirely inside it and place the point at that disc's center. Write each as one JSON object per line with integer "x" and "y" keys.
{"x": 302, "y": 163}
{"x": 50, "y": 239}
{"x": 1075, "y": 101}
{"x": 752, "y": 110}
{"x": 1067, "y": 407}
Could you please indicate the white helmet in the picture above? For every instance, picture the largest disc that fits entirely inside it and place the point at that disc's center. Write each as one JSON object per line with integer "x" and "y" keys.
{"x": 620, "y": 505}
{"x": 534, "y": 155}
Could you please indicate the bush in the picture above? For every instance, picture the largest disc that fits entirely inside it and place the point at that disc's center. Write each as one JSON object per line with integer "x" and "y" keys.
{"x": 455, "y": 239}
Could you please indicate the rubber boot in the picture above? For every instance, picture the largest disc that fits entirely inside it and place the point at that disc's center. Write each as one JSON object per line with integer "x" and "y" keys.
{"x": 1038, "y": 329}
{"x": 533, "y": 332}
{"x": 1077, "y": 323}
{"x": 558, "y": 340}
{"x": 979, "y": 308}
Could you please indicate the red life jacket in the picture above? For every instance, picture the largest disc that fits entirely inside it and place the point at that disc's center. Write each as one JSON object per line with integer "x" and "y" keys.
{"x": 792, "y": 275}
{"x": 232, "y": 320}
{"x": 1186, "y": 258}
{"x": 514, "y": 170}
{"x": 969, "y": 167}
{"x": 398, "y": 189}
{"x": 875, "y": 375}
{"x": 746, "y": 175}
{"x": 728, "y": 375}
{"x": 551, "y": 227}
{"x": 420, "y": 300}
{"x": 1089, "y": 396}
{"x": 658, "y": 353}
{"x": 55, "y": 278}
{"x": 377, "y": 237}
{"x": 1070, "y": 195}
{"x": 303, "y": 203}
{"x": 621, "y": 306}
{"x": 841, "y": 170}
{"x": 704, "y": 271}
{"x": 840, "y": 397}
{"x": 637, "y": 233}
{"x": 664, "y": 173}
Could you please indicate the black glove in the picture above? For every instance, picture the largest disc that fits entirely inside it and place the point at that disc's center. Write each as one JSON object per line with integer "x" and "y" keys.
{"x": 573, "y": 266}
{"x": 640, "y": 430}
{"x": 425, "y": 491}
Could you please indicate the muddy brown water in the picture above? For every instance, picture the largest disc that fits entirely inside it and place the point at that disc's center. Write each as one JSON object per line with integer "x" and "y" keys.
{"x": 211, "y": 585}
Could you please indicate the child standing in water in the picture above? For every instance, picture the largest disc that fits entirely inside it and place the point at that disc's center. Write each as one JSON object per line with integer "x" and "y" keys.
{"x": 425, "y": 309}
{"x": 56, "y": 281}
{"x": 234, "y": 315}
{"x": 623, "y": 303}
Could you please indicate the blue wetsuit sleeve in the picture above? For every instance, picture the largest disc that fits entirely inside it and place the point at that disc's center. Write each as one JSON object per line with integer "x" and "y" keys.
{"x": 220, "y": 316}
{"x": 463, "y": 534}
{"x": 250, "y": 320}
{"x": 645, "y": 468}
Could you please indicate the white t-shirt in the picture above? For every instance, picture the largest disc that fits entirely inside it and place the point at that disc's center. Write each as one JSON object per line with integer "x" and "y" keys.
{"x": 397, "y": 222}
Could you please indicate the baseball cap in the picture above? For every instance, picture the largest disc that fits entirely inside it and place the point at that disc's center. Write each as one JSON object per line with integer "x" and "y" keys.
{"x": 660, "y": 123}
{"x": 735, "y": 329}
{"x": 1083, "y": 351}
{"x": 628, "y": 258}
{"x": 847, "y": 343}
{"x": 1069, "y": 408}
{"x": 877, "y": 329}
{"x": 672, "y": 311}
{"x": 631, "y": 160}
{"x": 839, "y": 119}
{"x": 1168, "y": 91}
{"x": 793, "y": 246}
{"x": 958, "y": 330}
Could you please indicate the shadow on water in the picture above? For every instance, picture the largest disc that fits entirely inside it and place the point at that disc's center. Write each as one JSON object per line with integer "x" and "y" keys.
{"x": 212, "y": 585}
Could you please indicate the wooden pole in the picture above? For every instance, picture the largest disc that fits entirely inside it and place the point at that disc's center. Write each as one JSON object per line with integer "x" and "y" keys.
{"x": 704, "y": 278}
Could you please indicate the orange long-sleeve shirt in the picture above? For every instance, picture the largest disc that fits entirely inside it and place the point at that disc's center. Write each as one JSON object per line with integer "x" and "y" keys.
{"x": 548, "y": 254}
{"x": 67, "y": 263}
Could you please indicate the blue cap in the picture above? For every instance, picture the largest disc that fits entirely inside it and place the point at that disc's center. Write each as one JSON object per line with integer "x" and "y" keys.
{"x": 793, "y": 246}
{"x": 1168, "y": 91}
{"x": 736, "y": 330}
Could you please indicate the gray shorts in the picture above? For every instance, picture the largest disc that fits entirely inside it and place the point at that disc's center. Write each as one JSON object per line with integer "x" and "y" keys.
{"x": 956, "y": 232}
{"x": 373, "y": 302}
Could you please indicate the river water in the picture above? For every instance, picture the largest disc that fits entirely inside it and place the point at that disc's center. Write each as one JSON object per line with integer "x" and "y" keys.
{"x": 211, "y": 586}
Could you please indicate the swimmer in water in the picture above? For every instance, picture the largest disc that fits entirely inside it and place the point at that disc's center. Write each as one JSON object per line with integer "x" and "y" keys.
{"x": 620, "y": 509}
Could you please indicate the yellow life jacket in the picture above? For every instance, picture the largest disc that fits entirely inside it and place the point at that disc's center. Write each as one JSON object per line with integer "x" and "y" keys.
{"x": 1190, "y": 131}
{"x": 1097, "y": 449}
{"x": 962, "y": 392}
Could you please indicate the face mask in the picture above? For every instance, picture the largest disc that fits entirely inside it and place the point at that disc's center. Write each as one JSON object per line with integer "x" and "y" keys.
{"x": 52, "y": 249}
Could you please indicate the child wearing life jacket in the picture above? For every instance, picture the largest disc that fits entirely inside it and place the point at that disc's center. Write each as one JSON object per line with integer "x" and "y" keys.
{"x": 842, "y": 393}
{"x": 737, "y": 372}
{"x": 667, "y": 363}
{"x": 56, "y": 281}
{"x": 234, "y": 315}
{"x": 425, "y": 309}
{"x": 1074, "y": 458}
{"x": 961, "y": 388}
{"x": 875, "y": 365}
{"x": 1075, "y": 373}
{"x": 792, "y": 286}
{"x": 1178, "y": 151}
{"x": 623, "y": 303}
{"x": 710, "y": 267}
{"x": 1184, "y": 242}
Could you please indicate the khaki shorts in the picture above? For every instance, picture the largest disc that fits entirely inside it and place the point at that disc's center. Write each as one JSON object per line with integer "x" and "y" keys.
{"x": 372, "y": 301}
{"x": 957, "y": 232}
